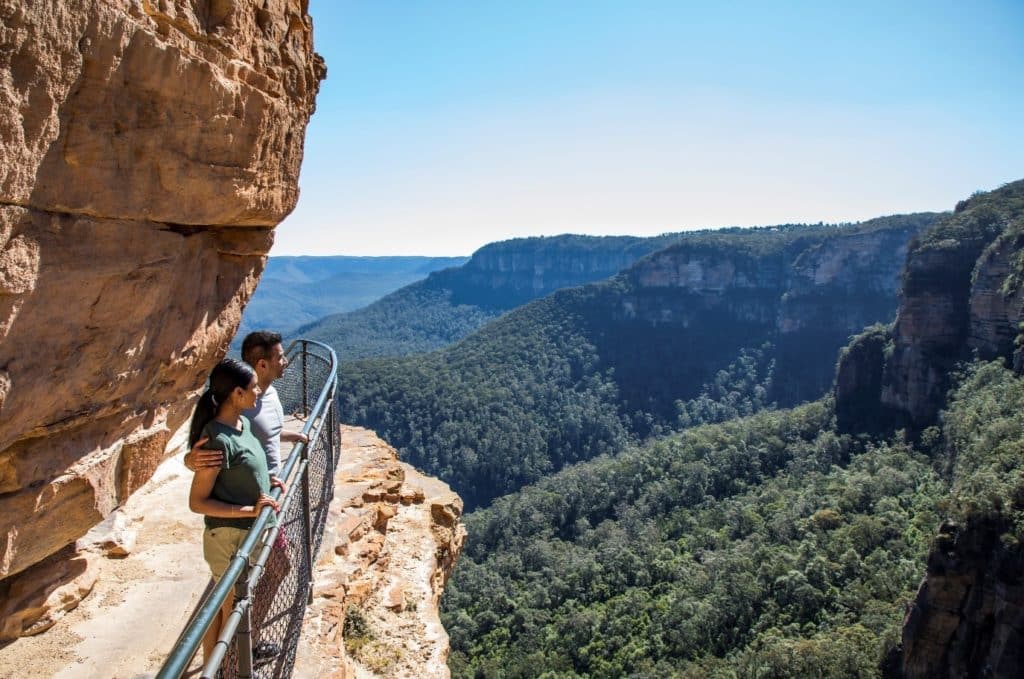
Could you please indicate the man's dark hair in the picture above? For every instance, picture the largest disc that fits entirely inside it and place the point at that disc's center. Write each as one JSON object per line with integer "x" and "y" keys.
{"x": 259, "y": 344}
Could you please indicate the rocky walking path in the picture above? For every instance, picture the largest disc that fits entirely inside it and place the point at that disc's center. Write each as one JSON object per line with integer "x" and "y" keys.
{"x": 139, "y": 603}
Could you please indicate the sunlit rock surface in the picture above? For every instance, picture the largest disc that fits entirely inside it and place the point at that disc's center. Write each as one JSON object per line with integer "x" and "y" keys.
{"x": 149, "y": 147}
{"x": 392, "y": 539}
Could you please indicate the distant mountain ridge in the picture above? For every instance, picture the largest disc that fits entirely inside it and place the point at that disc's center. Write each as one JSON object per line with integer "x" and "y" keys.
{"x": 452, "y": 303}
{"x": 295, "y": 291}
{"x": 586, "y": 369}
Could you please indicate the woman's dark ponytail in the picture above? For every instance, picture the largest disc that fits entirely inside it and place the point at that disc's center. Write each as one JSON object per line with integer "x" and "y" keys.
{"x": 225, "y": 377}
{"x": 205, "y": 411}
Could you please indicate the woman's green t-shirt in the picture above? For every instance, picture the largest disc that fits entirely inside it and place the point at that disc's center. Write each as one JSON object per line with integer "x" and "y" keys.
{"x": 243, "y": 476}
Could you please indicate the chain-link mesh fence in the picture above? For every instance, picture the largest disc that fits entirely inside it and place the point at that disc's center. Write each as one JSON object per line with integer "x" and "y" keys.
{"x": 279, "y": 599}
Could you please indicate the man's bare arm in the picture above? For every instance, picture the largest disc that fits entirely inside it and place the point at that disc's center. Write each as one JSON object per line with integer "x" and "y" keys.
{"x": 289, "y": 435}
{"x": 200, "y": 458}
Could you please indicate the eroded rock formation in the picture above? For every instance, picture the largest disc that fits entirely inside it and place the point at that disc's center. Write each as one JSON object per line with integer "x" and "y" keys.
{"x": 962, "y": 295}
{"x": 149, "y": 148}
{"x": 962, "y": 298}
{"x": 968, "y": 617}
{"x": 391, "y": 542}
{"x": 806, "y": 292}
{"x": 509, "y": 273}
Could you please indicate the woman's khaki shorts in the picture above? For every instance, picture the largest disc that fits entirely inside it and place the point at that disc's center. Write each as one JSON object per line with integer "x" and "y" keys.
{"x": 219, "y": 546}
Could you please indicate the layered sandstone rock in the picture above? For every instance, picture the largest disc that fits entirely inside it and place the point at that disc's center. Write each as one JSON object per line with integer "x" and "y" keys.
{"x": 996, "y": 302}
{"x": 805, "y": 292}
{"x": 149, "y": 147}
{"x": 391, "y": 542}
{"x": 509, "y": 273}
{"x": 962, "y": 296}
{"x": 968, "y": 617}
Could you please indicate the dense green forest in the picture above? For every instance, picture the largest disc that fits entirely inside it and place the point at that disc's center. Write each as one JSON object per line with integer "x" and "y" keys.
{"x": 768, "y": 546}
{"x": 449, "y": 305}
{"x": 574, "y": 375}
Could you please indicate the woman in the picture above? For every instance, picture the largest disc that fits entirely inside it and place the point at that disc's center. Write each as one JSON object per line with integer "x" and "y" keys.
{"x": 231, "y": 496}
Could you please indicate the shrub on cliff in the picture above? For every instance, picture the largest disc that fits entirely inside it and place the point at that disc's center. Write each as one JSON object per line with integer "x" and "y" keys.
{"x": 984, "y": 437}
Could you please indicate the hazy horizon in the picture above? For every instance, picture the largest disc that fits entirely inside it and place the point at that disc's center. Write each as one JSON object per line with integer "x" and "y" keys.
{"x": 444, "y": 127}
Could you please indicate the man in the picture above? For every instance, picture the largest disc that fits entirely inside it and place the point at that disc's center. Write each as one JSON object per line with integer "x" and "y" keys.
{"x": 263, "y": 351}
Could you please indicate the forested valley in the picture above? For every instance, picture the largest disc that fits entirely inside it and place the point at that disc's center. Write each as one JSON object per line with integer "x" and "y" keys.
{"x": 718, "y": 325}
{"x": 730, "y": 461}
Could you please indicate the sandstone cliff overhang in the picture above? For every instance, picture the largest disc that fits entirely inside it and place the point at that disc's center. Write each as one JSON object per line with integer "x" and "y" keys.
{"x": 149, "y": 147}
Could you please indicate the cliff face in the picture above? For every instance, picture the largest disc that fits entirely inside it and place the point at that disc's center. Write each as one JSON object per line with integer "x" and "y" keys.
{"x": 968, "y": 617}
{"x": 814, "y": 280}
{"x": 506, "y": 274}
{"x": 961, "y": 295}
{"x": 392, "y": 539}
{"x": 807, "y": 295}
{"x": 961, "y": 298}
{"x": 149, "y": 149}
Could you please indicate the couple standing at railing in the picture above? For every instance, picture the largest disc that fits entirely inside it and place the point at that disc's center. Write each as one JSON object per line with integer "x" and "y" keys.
{"x": 235, "y": 436}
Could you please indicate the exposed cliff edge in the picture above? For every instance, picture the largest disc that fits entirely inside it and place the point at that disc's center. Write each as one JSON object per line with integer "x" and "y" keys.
{"x": 391, "y": 541}
{"x": 804, "y": 289}
{"x": 968, "y": 617}
{"x": 509, "y": 273}
{"x": 452, "y": 303}
{"x": 149, "y": 149}
{"x": 962, "y": 296}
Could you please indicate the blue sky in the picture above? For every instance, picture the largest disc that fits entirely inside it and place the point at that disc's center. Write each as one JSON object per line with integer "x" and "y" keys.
{"x": 446, "y": 125}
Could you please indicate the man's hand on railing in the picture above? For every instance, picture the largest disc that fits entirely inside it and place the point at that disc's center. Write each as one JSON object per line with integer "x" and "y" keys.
{"x": 200, "y": 457}
{"x": 274, "y": 481}
{"x": 294, "y": 436}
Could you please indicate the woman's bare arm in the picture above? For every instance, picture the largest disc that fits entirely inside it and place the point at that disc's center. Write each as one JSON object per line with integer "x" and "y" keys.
{"x": 200, "y": 500}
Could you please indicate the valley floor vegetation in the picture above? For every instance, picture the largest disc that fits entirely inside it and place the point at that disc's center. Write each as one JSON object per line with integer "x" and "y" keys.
{"x": 767, "y": 546}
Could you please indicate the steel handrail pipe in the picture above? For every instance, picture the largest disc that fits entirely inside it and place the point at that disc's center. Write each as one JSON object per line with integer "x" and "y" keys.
{"x": 191, "y": 638}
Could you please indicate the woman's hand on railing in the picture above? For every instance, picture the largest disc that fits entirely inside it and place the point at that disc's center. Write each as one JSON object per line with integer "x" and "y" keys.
{"x": 294, "y": 436}
{"x": 264, "y": 501}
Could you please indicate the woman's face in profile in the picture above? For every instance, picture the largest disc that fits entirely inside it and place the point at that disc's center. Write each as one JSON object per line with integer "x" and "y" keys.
{"x": 247, "y": 397}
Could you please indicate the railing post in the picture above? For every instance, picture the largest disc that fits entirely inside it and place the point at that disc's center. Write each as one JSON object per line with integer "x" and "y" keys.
{"x": 305, "y": 379}
{"x": 243, "y": 636}
{"x": 307, "y": 520}
{"x": 331, "y": 434}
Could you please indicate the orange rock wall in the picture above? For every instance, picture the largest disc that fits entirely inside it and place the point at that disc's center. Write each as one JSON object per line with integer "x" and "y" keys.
{"x": 392, "y": 539}
{"x": 149, "y": 148}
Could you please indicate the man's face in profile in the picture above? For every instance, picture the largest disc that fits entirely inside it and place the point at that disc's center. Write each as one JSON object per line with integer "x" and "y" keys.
{"x": 276, "y": 362}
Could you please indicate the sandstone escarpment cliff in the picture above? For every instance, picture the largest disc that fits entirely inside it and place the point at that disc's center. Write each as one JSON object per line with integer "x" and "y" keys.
{"x": 805, "y": 291}
{"x": 961, "y": 297}
{"x": 510, "y": 273}
{"x": 453, "y": 303}
{"x": 150, "y": 146}
{"x": 968, "y": 615}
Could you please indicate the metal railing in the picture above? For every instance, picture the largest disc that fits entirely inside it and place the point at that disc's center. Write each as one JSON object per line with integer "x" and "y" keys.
{"x": 272, "y": 576}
